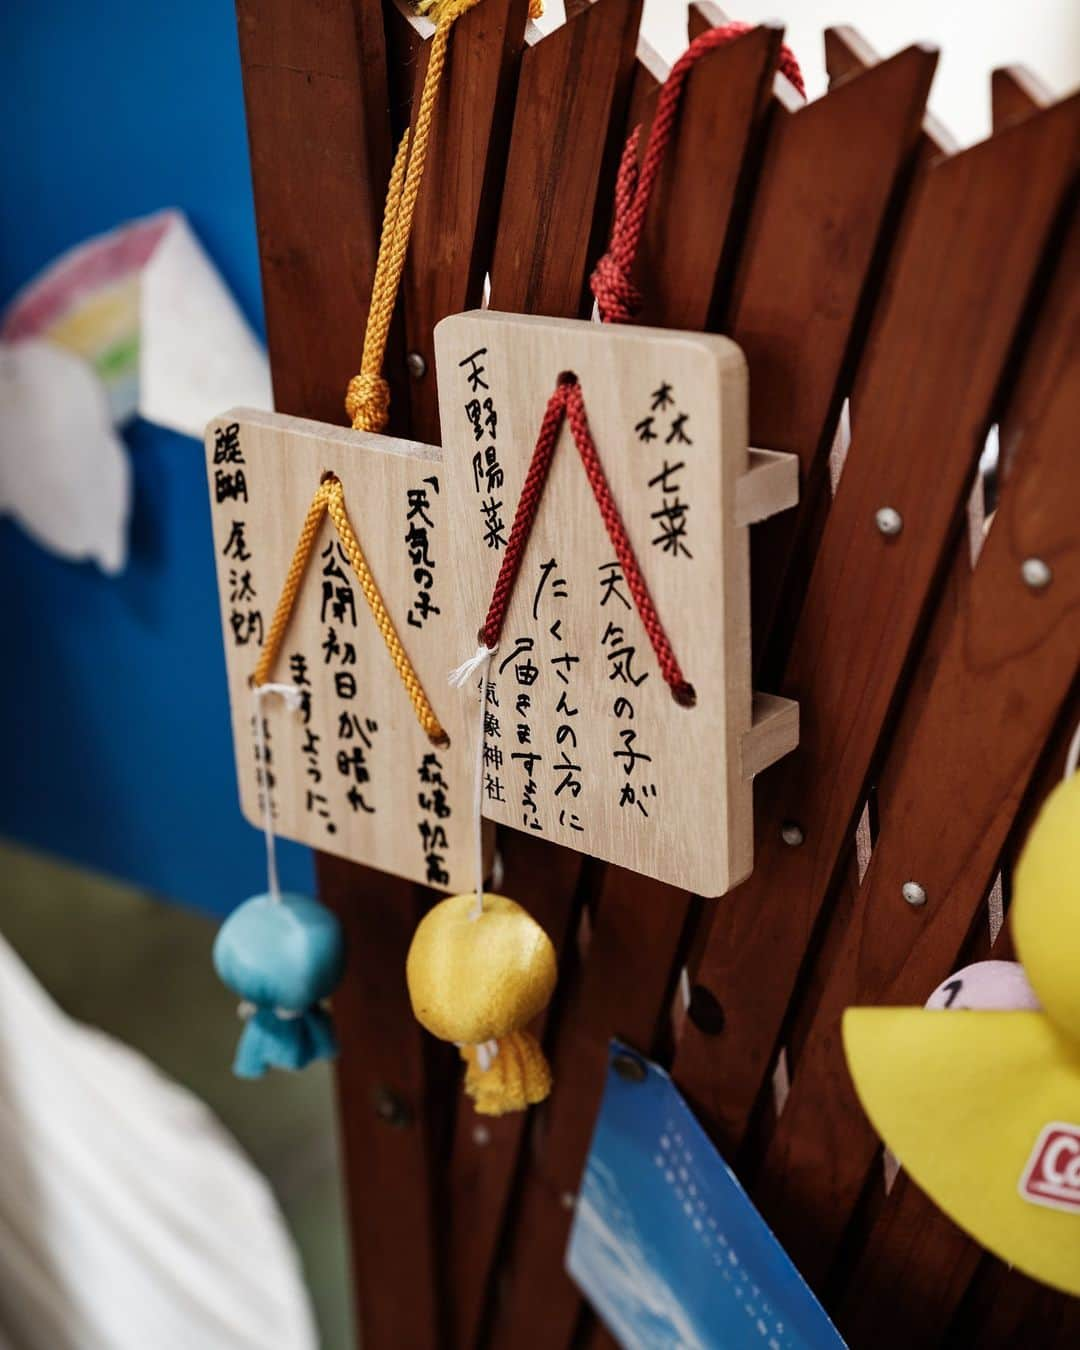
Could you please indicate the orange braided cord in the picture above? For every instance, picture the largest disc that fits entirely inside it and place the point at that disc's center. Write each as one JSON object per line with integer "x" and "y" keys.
{"x": 367, "y": 400}
{"x": 425, "y": 714}
{"x": 330, "y": 498}
{"x": 280, "y": 622}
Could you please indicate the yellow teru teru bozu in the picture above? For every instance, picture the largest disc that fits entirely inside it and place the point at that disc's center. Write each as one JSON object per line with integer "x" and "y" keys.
{"x": 479, "y": 970}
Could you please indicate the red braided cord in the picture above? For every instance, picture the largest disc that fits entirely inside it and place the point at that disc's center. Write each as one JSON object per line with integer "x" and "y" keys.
{"x": 567, "y": 403}
{"x": 618, "y": 299}
{"x": 528, "y": 504}
{"x": 617, "y": 296}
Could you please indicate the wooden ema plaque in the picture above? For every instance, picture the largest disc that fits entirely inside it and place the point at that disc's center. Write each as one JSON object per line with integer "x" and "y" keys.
{"x": 352, "y": 771}
{"x": 584, "y": 742}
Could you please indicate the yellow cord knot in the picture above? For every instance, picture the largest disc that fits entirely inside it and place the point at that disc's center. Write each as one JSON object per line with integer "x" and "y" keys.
{"x": 368, "y": 399}
{"x": 367, "y": 402}
{"x": 440, "y": 10}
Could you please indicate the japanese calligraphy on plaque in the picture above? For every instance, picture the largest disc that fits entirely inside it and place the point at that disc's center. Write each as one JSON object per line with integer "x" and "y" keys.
{"x": 351, "y": 771}
{"x": 584, "y": 742}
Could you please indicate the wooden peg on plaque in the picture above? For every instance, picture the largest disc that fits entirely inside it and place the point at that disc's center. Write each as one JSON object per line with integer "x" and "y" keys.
{"x": 585, "y": 742}
{"x": 352, "y": 772}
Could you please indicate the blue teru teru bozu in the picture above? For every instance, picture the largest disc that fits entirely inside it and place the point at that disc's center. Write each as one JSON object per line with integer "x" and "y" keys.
{"x": 283, "y": 955}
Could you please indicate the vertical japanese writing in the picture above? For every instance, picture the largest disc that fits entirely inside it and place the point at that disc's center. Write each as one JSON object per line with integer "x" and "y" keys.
{"x": 316, "y": 803}
{"x": 245, "y": 619}
{"x": 551, "y": 593}
{"x": 620, "y": 655}
{"x": 488, "y": 477}
{"x": 265, "y": 778}
{"x": 494, "y": 790}
{"x": 230, "y": 486}
{"x": 418, "y": 543}
{"x": 667, "y": 424}
{"x": 354, "y": 731}
{"x": 526, "y": 673}
{"x": 434, "y": 813}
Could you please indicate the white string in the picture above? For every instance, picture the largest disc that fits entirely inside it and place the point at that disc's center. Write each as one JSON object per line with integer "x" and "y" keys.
{"x": 1072, "y": 759}
{"x": 479, "y": 661}
{"x": 292, "y": 697}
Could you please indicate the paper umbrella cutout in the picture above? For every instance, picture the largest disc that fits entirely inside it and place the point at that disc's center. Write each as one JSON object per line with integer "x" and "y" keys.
{"x": 982, "y": 1106}
{"x": 134, "y": 321}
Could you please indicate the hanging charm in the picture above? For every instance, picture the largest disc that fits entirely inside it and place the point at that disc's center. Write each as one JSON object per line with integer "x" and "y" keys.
{"x": 283, "y": 954}
{"x": 603, "y": 488}
{"x": 364, "y": 610}
{"x": 616, "y": 591}
{"x": 480, "y": 968}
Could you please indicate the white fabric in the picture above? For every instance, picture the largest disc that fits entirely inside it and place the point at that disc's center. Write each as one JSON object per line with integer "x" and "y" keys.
{"x": 197, "y": 355}
{"x": 129, "y": 1220}
{"x": 64, "y": 472}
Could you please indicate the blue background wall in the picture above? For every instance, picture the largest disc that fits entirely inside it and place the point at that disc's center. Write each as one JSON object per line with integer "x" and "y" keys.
{"x": 116, "y": 744}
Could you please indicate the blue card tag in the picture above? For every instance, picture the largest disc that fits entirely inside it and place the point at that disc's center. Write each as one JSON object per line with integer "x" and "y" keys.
{"x": 666, "y": 1245}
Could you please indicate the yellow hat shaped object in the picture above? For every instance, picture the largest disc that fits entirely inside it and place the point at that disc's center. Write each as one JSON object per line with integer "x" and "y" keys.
{"x": 983, "y": 1107}
{"x": 477, "y": 975}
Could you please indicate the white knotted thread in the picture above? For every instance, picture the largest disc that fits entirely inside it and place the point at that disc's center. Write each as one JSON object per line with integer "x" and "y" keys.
{"x": 1072, "y": 759}
{"x": 459, "y": 678}
{"x": 293, "y": 698}
{"x": 486, "y": 1053}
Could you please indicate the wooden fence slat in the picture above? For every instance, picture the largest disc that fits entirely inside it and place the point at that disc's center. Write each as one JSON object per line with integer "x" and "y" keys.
{"x": 546, "y": 295}
{"x": 623, "y": 990}
{"x": 702, "y": 15}
{"x": 913, "y": 1267}
{"x": 1008, "y": 1311}
{"x": 1015, "y": 93}
{"x": 655, "y": 922}
{"x": 318, "y": 130}
{"x": 571, "y": 103}
{"x": 384, "y": 1094}
{"x": 650, "y": 72}
{"x": 948, "y": 804}
{"x": 458, "y": 204}
{"x": 935, "y": 354}
{"x": 847, "y": 53}
{"x": 485, "y": 1152}
{"x": 632, "y": 913}
{"x": 923, "y": 1266}
{"x": 678, "y": 262}
{"x": 831, "y": 172}
{"x": 452, "y": 229}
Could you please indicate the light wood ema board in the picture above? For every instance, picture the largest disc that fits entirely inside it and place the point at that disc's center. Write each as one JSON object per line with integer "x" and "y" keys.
{"x": 370, "y": 786}
{"x": 620, "y": 770}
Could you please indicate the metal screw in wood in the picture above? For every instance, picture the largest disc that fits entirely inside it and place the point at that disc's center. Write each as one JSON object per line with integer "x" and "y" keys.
{"x": 888, "y": 520}
{"x": 1036, "y": 573}
{"x": 913, "y": 893}
{"x": 390, "y": 1108}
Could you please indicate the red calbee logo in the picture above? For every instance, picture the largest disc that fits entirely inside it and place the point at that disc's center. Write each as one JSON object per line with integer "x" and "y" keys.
{"x": 1052, "y": 1174}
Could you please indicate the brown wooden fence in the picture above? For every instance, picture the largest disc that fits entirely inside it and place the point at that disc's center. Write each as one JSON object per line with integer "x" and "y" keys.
{"x": 855, "y": 255}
